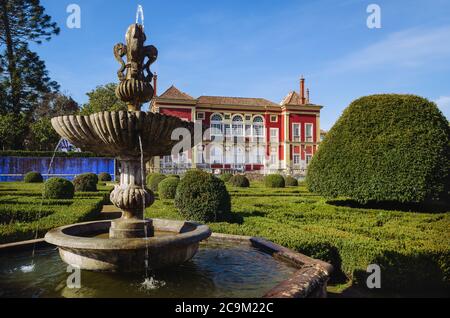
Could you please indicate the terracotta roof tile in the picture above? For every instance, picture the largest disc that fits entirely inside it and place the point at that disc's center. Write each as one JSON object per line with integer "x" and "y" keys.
{"x": 293, "y": 98}
{"x": 174, "y": 93}
{"x": 238, "y": 101}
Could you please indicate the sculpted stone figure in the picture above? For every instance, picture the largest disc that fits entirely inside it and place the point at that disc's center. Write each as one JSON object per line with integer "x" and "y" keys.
{"x": 134, "y": 87}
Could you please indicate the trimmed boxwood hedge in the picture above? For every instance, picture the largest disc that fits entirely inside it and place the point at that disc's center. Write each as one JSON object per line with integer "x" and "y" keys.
{"x": 239, "y": 180}
{"x": 274, "y": 181}
{"x": 385, "y": 148}
{"x": 167, "y": 188}
{"x": 225, "y": 177}
{"x": 86, "y": 182}
{"x": 202, "y": 197}
{"x": 290, "y": 181}
{"x": 33, "y": 177}
{"x": 153, "y": 180}
{"x": 104, "y": 176}
{"x": 58, "y": 188}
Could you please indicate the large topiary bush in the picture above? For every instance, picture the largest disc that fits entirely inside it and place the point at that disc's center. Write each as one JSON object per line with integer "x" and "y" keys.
{"x": 153, "y": 180}
{"x": 167, "y": 188}
{"x": 239, "y": 180}
{"x": 384, "y": 148}
{"x": 86, "y": 182}
{"x": 58, "y": 188}
{"x": 104, "y": 176}
{"x": 33, "y": 177}
{"x": 274, "y": 181}
{"x": 202, "y": 197}
{"x": 290, "y": 181}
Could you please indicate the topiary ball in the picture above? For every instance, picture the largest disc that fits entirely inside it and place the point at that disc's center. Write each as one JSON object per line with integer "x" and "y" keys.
{"x": 167, "y": 188}
{"x": 225, "y": 177}
{"x": 153, "y": 180}
{"x": 104, "y": 176}
{"x": 58, "y": 188}
{"x": 290, "y": 181}
{"x": 85, "y": 182}
{"x": 239, "y": 180}
{"x": 33, "y": 177}
{"x": 274, "y": 181}
{"x": 202, "y": 197}
{"x": 384, "y": 148}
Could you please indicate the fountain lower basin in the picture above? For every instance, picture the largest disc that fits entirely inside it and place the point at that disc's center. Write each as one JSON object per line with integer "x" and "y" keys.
{"x": 79, "y": 246}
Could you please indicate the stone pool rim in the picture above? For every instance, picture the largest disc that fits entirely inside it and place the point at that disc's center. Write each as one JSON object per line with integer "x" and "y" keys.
{"x": 309, "y": 281}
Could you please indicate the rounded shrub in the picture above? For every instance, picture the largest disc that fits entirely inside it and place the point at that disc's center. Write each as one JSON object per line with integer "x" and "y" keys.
{"x": 58, "y": 188}
{"x": 202, "y": 197}
{"x": 225, "y": 177}
{"x": 85, "y": 182}
{"x": 384, "y": 148}
{"x": 153, "y": 180}
{"x": 274, "y": 181}
{"x": 239, "y": 180}
{"x": 290, "y": 181}
{"x": 104, "y": 176}
{"x": 33, "y": 177}
{"x": 167, "y": 188}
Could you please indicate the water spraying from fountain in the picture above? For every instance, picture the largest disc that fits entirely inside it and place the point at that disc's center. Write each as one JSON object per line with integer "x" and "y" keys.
{"x": 140, "y": 14}
{"x": 36, "y": 234}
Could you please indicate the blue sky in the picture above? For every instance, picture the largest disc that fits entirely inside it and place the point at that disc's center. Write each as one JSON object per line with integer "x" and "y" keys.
{"x": 259, "y": 48}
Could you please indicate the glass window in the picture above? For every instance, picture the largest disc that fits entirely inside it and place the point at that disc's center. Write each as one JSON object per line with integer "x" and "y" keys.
{"x": 308, "y": 132}
{"x": 258, "y": 126}
{"x": 274, "y": 134}
{"x": 296, "y": 159}
{"x": 296, "y": 132}
{"x": 237, "y": 126}
{"x": 216, "y": 125}
{"x": 308, "y": 159}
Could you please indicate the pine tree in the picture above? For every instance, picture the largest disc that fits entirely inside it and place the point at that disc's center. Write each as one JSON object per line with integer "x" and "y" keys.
{"x": 23, "y": 75}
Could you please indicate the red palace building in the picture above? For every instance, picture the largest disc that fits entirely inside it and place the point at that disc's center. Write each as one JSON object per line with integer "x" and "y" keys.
{"x": 246, "y": 134}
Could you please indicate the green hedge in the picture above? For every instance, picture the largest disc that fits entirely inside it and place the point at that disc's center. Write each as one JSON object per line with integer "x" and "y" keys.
{"x": 58, "y": 188}
{"x": 239, "y": 180}
{"x": 274, "y": 181}
{"x": 104, "y": 176}
{"x": 86, "y": 182}
{"x": 154, "y": 179}
{"x": 290, "y": 181}
{"x": 385, "y": 148}
{"x": 225, "y": 177}
{"x": 24, "y": 153}
{"x": 202, "y": 197}
{"x": 167, "y": 188}
{"x": 33, "y": 177}
{"x": 79, "y": 211}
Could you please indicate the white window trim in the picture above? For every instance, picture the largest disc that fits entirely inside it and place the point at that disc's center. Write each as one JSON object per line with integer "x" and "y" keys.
{"x": 312, "y": 132}
{"x": 200, "y": 115}
{"x": 296, "y": 155}
{"x": 277, "y": 135}
{"x": 276, "y": 118}
{"x": 299, "y": 132}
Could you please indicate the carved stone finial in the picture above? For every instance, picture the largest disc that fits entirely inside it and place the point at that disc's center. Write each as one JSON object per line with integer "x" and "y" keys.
{"x": 134, "y": 87}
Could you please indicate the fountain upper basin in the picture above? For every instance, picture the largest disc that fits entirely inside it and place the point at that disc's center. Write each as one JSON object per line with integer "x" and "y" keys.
{"x": 78, "y": 247}
{"x": 117, "y": 133}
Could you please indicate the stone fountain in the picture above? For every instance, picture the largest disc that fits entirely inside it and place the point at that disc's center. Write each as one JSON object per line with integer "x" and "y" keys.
{"x": 133, "y": 137}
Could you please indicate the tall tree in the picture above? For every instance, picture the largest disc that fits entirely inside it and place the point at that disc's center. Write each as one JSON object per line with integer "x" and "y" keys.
{"x": 103, "y": 98}
{"x": 22, "y": 22}
{"x": 55, "y": 104}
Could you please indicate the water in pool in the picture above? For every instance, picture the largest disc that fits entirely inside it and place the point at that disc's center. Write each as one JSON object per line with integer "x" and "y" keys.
{"x": 217, "y": 270}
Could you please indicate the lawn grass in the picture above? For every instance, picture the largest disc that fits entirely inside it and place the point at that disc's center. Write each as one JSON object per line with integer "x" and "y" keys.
{"x": 24, "y": 214}
{"x": 412, "y": 248}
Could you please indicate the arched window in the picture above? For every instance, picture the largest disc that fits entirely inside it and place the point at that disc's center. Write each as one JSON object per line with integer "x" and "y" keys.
{"x": 238, "y": 155}
{"x": 238, "y": 126}
{"x": 258, "y": 126}
{"x": 216, "y": 125}
{"x": 258, "y": 154}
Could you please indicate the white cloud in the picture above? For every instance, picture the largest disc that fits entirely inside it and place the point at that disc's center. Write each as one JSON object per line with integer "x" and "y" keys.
{"x": 410, "y": 48}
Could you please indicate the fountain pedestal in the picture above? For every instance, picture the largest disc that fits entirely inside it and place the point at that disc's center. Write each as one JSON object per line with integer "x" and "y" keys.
{"x": 132, "y": 197}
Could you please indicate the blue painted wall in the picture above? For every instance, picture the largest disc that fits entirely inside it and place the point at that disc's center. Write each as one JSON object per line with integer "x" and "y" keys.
{"x": 14, "y": 168}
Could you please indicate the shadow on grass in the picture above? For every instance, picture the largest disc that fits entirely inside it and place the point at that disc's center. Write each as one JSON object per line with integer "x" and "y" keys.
{"x": 429, "y": 207}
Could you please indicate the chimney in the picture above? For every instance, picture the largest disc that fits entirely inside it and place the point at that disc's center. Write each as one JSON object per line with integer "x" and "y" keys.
{"x": 307, "y": 96}
{"x": 302, "y": 90}
{"x": 155, "y": 83}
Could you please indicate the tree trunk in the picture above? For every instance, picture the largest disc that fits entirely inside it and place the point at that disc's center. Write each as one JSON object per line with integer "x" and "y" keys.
{"x": 12, "y": 69}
